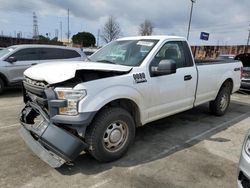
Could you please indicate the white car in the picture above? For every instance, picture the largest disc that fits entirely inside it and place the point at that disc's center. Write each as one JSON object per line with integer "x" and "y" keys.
{"x": 97, "y": 105}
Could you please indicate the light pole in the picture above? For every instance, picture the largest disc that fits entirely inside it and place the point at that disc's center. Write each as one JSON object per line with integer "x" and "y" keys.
{"x": 190, "y": 17}
{"x": 248, "y": 39}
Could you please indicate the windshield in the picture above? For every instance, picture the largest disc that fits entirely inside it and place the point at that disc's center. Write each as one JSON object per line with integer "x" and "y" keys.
{"x": 126, "y": 52}
{"x": 5, "y": 51}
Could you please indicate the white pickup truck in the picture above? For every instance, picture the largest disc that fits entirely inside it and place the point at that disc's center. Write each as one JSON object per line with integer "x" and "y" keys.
{"x": 95, "y": 106}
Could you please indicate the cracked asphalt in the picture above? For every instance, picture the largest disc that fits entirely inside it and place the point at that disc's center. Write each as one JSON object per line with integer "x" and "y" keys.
{"x": 190, "y": 149}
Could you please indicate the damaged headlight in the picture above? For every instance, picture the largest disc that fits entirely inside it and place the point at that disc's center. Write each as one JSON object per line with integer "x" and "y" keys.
{"x": 247, "y": 146}
{"x": 73, "y": 97}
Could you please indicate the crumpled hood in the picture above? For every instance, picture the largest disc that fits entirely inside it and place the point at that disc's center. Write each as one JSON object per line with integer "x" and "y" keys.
{"x": 55, "y": 72}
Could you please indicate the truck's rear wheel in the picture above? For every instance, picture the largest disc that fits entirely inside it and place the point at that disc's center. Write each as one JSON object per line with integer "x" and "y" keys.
{"x": 2, "y": 86}
{"x": 220, "y": 105}
{"x": 110, "y": 134}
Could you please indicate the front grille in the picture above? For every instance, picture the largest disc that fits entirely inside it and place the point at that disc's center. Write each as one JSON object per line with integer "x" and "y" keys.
{"x": 35, "y": 82}
{"x": 35, "y": 91}
{"x": 35, "y": 87}
{"x": 245, "y": 182}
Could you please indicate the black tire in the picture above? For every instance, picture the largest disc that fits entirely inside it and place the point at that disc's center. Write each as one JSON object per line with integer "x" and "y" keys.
{"x": 220, "y": 105}
{"x": 107, "y": 126}
{"x": 2, "y": 86}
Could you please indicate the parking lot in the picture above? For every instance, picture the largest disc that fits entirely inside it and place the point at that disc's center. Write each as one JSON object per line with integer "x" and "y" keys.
{"x": 191, "y": 149}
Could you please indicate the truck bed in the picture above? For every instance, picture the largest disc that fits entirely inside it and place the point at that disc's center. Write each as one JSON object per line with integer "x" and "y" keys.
{"x": 212, "y": 62}
{"x": 211, "y": 78}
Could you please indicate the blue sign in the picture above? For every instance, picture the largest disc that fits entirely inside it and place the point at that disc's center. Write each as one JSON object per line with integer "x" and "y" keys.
{"x": 204, "y": 36}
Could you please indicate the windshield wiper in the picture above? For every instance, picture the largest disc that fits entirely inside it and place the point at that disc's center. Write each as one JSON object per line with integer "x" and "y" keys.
{"x": 106, "y": 61}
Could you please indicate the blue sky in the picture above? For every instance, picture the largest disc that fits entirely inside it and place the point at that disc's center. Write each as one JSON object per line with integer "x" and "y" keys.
{"x": 227, "y": 21}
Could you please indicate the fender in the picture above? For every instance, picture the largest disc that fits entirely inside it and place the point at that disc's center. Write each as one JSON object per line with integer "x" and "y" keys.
{"x": 226, "y": 75}
{"x": 96, "y": 102}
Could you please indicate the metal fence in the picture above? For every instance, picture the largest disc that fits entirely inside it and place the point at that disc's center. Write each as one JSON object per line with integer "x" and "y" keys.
{"x": 211, "y": 52}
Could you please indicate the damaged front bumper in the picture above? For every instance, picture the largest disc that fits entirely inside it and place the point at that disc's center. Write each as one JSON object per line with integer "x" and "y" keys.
{"x": 51, "y": 143}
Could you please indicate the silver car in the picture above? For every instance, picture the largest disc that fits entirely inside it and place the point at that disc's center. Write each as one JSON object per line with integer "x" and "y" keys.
{"x": 14, "y": 60}
{"x": 244, "y": 164}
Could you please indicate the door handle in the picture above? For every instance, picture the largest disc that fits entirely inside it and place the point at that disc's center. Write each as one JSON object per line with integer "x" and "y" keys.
{"x": 34, "y": 64}
{"x": 187, "y": 77}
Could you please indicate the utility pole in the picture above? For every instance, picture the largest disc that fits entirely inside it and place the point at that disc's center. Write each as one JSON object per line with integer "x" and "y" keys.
{"x": 246, "y": 51}
{"x": 98, "y": 36}
{"x": 61, "y": 29}
{"x": 56, "y": 33}
{"x": 190, "y": 18}
{"x": 68, "y": 27}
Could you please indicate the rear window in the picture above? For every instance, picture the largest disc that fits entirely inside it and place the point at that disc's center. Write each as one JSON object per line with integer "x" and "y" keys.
{"x": 68, "y": 54}
{"x": 50, "y": 53}
{"x": 57, "y": 53}
{"x": 88, "y": 53}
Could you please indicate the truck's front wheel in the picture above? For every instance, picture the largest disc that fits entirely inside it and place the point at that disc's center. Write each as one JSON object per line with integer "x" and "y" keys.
{"x": 110, "y": 134}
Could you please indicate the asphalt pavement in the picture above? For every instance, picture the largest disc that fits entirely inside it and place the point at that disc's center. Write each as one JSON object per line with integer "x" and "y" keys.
{"x": 190, "y": 149}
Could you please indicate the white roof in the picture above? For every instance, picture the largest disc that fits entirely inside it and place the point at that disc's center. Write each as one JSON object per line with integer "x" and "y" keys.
{"x": 41, "y": 45}
{"x": 152, "y": 37}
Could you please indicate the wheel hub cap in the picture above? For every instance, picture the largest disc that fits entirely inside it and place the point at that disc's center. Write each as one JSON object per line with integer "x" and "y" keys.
{"x": 223, "y": 102}
{"x": 115, "y": 136}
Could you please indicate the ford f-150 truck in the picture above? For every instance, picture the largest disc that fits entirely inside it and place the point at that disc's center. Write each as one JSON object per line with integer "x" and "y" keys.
{"x": 95, "y": 106}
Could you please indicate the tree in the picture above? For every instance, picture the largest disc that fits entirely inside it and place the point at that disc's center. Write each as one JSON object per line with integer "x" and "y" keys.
{"x": 111, "y": 30}
{"x": 146, "y": 28}
{"x": 43, "y": 38}
{"x": 85, "y": 39}
{"x": 55, "y": 39}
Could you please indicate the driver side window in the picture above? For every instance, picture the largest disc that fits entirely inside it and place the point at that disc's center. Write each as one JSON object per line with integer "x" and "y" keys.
{"x": 27, "y": 54}
{"x": 170, "y": 50}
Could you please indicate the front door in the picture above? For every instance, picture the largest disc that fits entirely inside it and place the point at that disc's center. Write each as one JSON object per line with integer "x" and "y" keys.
{"x": 24, "y": 58}
{"x": 175, "y": 92}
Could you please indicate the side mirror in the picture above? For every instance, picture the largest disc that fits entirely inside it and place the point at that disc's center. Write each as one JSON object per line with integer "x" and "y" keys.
{"x": 11, "y": 59}
{"x": 165, "y": 67}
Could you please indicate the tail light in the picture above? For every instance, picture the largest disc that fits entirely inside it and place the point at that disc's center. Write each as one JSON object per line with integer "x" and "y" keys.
{"x": 241, "y": 72}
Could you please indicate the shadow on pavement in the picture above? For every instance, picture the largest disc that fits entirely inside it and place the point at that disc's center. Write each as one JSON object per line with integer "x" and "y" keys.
{"x": 164, "y": 137}
{"x": 11, "y": 92}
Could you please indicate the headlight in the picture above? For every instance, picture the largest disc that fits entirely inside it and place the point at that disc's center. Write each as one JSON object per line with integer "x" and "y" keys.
{"x": 247, "y": 146}
{"x": 73, "y": 97}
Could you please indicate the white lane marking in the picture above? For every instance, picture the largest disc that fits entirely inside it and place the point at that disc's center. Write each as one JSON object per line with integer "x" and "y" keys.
{"x": 100, "y": 174}
{"x": 9, "y": 126}
{"x": 173, "y": 148}
{"x": 99, "y": 184}
{"x": 215, "y": 128}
